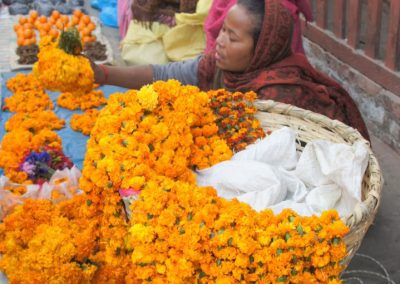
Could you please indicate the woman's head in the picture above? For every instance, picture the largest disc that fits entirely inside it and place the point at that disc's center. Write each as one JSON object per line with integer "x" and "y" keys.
{"x": 239, "y": 34}
{"x": 255, "y": 34}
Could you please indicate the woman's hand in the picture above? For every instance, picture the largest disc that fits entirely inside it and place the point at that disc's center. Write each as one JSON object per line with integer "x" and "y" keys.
{"x": 131, "y": 77}
{"x": 100, "y": 73}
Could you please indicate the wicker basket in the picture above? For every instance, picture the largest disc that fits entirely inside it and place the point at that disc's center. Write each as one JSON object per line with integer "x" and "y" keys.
{"x": 310, "y": 126}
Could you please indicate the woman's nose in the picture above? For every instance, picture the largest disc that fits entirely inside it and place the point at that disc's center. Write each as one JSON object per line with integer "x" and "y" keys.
{"x": 220, "y": 39}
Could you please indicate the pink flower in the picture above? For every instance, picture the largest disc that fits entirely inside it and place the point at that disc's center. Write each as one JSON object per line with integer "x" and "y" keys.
{"x": 127, "y": 192}
{"x": 28, "y": 168}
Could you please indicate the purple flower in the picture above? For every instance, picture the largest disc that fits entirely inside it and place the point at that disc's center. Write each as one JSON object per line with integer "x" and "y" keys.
{"x": 36, "y": 165}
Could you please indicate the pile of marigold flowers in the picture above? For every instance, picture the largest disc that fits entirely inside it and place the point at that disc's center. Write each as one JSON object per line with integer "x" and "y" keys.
{"x": 181, "y": 233}
{"x": 236, "y": 121}
{"x": 148, "y": 142}
{"x": 23, "y": 82}
{"x": 86, "y": 101}
{"x": 29, "y": 130}
{"x": 60, "y": 67}
{"x": 84, "y": 122}
{"x": 34, "y": 121}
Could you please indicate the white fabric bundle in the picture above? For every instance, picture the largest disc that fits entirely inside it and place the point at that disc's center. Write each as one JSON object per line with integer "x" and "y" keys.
{"x": 268, "y": 174}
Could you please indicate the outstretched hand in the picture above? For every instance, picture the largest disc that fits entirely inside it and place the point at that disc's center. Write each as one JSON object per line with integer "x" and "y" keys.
{"x": 98, "y": 72}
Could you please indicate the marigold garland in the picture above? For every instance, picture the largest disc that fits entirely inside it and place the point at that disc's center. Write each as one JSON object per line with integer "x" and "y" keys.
{"x": 182, "y": 233}
{"x": 23, "y": 82}
{"x": 85, "y": 101}
{"x": 59, "y": 71}
{"x": 28, "y": 101}
{"x": 34, "y": 121}
{"x": 11, "y": 153}
{"x": 45, "y": 243}
{"x": 84, "y": 122}
{"x": 236, "y": 117}
{"x": 148, "y": 142}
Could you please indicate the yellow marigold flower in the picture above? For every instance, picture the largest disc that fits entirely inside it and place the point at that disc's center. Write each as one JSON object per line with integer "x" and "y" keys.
{"x": 148, "y": 97}
{"x": 141, "y": 233}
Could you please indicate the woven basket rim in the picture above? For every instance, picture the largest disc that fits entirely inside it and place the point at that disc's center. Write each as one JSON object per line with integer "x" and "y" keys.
{"x": 368, "y": 208}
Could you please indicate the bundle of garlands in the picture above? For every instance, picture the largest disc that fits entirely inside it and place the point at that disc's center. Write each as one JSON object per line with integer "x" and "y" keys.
{"x": 60, "y": 66}
{"x": 41, "y": 165}
{"x": 148, "y": 142}
{"x": 13, "y": 154}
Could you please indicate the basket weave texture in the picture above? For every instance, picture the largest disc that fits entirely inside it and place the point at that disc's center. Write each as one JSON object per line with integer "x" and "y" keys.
{"x": 310, "y": 126}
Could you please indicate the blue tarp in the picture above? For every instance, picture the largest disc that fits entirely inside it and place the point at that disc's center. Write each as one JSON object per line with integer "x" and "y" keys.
{"x": 74, "y": 143}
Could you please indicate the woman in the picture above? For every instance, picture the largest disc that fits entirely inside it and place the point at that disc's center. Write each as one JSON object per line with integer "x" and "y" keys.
{"x": 220, "y": 8}
{"x": 252, "y": 53}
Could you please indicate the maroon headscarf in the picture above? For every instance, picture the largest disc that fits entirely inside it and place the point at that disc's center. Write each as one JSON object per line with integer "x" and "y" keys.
{"x": 277, "y": 74}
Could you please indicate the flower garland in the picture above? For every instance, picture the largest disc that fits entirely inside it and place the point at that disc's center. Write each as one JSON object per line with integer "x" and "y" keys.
{"x": 131, "y": 143}
{"x": 23, "y": 82}
{"x": 236, "y": 121}
{"x": 60, "y": 71}
{"x": 34, "y": 121}
{"x": 84, "y": 122}
{"x": 182, "y": 233}
{"x": 85, "y": 101}
{"x": 41, "y": 165}
{"x": 12, "y": 154}
{"x": 28, "y": 101}
{"x": 147, "y": 142}
{"x": 46, "y": 243}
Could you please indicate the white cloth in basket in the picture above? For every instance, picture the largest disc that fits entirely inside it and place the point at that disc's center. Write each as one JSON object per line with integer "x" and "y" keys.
{"x": 268, "y": 174}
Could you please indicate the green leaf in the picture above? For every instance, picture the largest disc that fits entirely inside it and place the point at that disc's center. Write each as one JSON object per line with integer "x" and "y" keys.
{"x": 281, "y": 279}
{"x": 336, "y": 241}
{"x": 300, "y": 230}
{"x": 151, "y": 147}
{"x": 251, "y": 259}
{"x": 70, "y": 41}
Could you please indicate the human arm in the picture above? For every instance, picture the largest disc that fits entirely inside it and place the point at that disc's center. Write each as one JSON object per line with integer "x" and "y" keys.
{"x": 134, "y": 77}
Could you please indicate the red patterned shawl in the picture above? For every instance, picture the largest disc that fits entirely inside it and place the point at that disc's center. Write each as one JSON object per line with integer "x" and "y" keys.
{"x": 274, "y": 73}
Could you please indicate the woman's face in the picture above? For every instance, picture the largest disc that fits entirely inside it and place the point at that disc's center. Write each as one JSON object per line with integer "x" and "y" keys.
{"x": 235, "y": 44}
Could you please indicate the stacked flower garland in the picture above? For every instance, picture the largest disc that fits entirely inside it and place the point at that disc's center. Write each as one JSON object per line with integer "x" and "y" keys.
{"x": 147, "y": 142}
{"x": 38, "y": 152}
{"x": 60, "y": 66}
{"x": 84, "y": 122}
